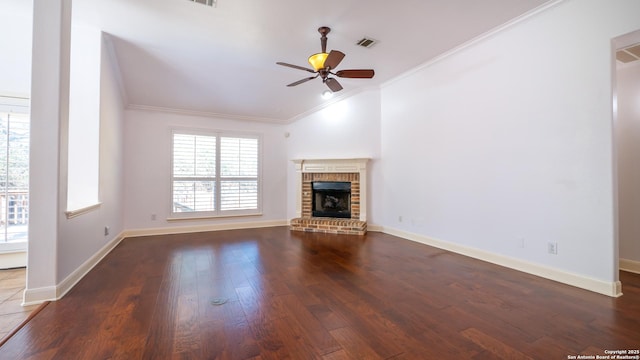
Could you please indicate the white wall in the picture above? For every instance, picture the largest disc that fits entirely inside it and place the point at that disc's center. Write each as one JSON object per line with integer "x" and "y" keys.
{"x": 84, "y": 117}
{"x": 15, "y": 44}
{"x": 506, "y": 145}
{"x": 83, "y": 236}
{"x": 148, "y": 169}
{"x": 628, "y": 137}
{"x": 346, "y": 129}
{"x": 49, "y": 109}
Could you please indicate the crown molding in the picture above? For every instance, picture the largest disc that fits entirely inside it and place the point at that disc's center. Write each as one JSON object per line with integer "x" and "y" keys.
{"x": 207, "y": 114}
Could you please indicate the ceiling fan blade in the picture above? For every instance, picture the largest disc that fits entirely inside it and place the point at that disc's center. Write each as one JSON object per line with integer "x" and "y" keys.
{"x": 356, "y": 73}
{"x": 296, "y": 67}
{"x": 333, "y": 84}
{"x": 333, "y": 59}
{"x": 302, "y": 81}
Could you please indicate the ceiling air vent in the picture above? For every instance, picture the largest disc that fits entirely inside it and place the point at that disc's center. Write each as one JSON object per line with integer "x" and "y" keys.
{"x": 627, "y": 55}
{"x": 367, "y": 42}
{"x": 212, "y": 3}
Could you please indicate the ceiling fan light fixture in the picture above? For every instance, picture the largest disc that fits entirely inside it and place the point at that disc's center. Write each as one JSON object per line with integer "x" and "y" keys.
{"x": 317, "y": 60}
{"x": 212, "y": 3}
{"x": 327, "y": 94}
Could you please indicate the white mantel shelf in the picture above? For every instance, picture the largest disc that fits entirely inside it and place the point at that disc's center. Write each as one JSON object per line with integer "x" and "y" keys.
{"x": 358, "y": 165}
{"x": 331, "y": 165}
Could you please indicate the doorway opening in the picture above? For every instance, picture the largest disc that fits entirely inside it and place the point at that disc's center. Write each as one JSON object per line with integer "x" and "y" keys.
{"x": 626, "y": 115}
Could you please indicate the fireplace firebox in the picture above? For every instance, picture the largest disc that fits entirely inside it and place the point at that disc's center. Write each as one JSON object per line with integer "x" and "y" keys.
{"x": 331, "y": 199}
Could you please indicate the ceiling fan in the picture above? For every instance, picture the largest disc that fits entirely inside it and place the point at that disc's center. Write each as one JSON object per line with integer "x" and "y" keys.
{"x": 324, "y": 63}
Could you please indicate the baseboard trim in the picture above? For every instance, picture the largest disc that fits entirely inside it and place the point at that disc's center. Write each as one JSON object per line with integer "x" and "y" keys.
{"x": 70, "y": 281}
{"x": 613, "y": 289}
{"x": 630, "y": 265}
{"x": 39, "y": 295}
{"x": 204, "y": 228}
{"x": 52, "y": 293}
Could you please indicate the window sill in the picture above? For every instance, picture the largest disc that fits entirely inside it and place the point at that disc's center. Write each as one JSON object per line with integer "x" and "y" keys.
{"x": 208, "y": 217}
{"x": 77, "y": 212}
{"x": 13, "y": 247}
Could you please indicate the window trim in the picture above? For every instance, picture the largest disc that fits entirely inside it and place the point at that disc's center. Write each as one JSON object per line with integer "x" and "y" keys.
{"x": 218, "y": 213}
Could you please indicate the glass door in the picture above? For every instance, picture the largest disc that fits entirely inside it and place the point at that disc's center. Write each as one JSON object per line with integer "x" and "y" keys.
{"x": 14, "y": 175}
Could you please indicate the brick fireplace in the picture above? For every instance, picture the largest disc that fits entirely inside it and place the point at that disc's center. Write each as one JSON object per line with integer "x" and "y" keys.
{"x": 310, "y": 174}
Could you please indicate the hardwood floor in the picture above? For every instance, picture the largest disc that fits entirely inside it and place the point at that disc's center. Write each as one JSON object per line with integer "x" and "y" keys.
{"x": 273, "y": 294}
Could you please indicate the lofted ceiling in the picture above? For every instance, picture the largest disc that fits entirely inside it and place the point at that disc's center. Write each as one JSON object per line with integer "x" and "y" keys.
{"x": 184, "y": 56}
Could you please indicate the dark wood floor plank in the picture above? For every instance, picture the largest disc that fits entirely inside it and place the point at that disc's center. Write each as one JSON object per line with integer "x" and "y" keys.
{"x": 272, "y": 346}
{"x": 186, "y": 341}
{"x": 160, "y": 339}
{"x": 214, "y": 341}
{"x": 308, "y": 328}
{"x": 380, "y": 335}
{"x": 256, "y": 307}
{"x": 494, "y": 346}
{"x": 240, "y": 343}
{"x": 549, "y": 348}
{"x": 337, "y": 355}
{"x": 298, "y": 346}
{"x": 460, "y": 318}
{"x": 274, "y": 294}
{"x": 355, "y": 345}
{"x": 329, "y": 319}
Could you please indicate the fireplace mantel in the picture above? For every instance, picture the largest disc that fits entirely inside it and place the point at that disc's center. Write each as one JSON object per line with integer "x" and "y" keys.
{"x": 332, "y": 166}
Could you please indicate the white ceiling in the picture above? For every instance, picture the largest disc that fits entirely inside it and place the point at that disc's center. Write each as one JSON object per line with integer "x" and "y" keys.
{"x": 185, "y": 56}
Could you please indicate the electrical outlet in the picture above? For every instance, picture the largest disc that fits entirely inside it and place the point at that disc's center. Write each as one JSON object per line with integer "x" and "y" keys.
{"x": 552, "y": 248}
{"x": 106, "y": 230}
{"x": 153, "y": 217}
{"x": 400, "y": 218}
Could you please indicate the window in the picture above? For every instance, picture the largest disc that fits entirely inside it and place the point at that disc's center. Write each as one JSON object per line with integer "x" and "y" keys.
{"x": 215, "y": 174}
{"x": 14, "y": 172}
{"x": 83, "y": 131}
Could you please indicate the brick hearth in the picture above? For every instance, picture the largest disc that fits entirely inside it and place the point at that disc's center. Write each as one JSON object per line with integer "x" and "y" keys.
{"x": 329, "y": 225}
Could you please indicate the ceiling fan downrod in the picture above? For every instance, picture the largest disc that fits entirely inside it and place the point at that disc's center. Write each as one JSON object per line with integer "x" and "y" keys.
{"x": 324, "y": 30}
